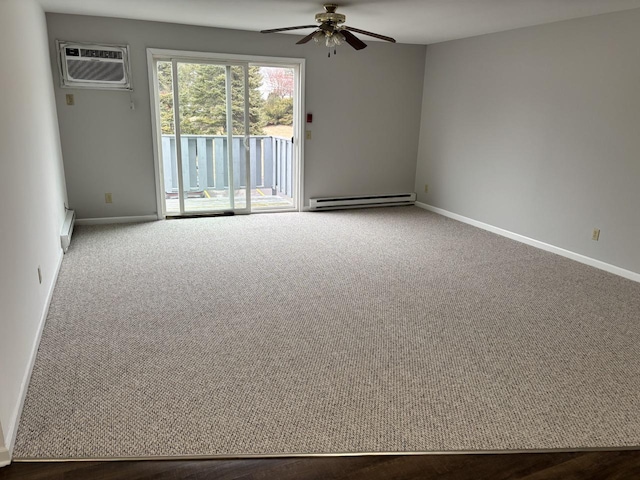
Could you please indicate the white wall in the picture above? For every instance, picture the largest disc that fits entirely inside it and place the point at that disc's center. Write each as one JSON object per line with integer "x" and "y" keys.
{"x": 537, "y": 131}
{"x": 32, "y": 195}
{"x": 5, "y": 458}
{"x": 365, "y": 105}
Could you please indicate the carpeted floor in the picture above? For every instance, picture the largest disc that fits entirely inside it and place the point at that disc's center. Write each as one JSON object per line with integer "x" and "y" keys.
{"x": 380, "y": 330}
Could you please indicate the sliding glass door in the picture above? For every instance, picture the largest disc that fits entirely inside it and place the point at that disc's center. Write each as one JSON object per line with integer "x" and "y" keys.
{"x": 204, "y": 116}
{"x": 228, "y": 132}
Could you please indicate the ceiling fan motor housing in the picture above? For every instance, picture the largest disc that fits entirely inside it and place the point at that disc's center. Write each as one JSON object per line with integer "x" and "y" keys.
{"x": 330, "y": 15}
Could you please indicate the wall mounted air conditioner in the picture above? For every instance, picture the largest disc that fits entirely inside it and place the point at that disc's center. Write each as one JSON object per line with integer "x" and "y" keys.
{"x": 94, "y": 66}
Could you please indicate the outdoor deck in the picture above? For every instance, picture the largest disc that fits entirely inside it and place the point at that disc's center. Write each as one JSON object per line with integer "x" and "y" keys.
{"x": 206, "y": 172}
{"x": 220, "y": 202}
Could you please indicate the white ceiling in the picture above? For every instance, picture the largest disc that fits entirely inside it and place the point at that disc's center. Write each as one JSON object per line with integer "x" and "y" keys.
{"x": 409, "y": 21}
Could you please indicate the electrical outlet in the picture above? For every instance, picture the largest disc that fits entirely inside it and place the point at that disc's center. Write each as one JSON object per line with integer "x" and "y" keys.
{"x": 108, "y": 198}
{"x": 596, "y": 234}
{"x": 70, "y": 99}
{"x": 426, "y": 188}
{"x": 39, "y": 275}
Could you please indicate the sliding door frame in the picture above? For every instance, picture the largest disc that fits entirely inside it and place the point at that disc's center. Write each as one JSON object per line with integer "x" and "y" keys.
{"x": 298, "y": 64}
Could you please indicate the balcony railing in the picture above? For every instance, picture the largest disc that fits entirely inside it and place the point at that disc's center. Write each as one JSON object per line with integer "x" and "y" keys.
{"x": 204, "y": 164}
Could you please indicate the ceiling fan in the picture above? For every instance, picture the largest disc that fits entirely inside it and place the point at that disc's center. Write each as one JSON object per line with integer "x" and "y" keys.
{"x": 332, "y": 30}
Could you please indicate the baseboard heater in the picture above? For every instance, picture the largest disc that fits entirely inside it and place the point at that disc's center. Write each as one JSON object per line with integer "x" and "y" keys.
{"x": 67, "y": 230}
{"x": 362, "y": 201}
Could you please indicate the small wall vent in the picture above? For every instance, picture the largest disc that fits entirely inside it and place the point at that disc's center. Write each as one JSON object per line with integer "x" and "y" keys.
{"x": 94, "y": 66}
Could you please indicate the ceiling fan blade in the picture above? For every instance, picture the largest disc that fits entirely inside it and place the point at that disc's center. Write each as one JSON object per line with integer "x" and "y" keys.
{"x": 275, "y": 30}
{"x": 352, "y": 40}
{"x": 375, "y": 35}
{"x": 307, "y": 38}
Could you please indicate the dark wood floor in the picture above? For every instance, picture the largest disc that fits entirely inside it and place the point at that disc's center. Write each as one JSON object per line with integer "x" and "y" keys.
{"x": 532, "y": 466}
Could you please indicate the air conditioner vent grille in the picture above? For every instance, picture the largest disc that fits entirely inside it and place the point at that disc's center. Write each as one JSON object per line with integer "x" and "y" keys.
{"x": 94, "y": 71}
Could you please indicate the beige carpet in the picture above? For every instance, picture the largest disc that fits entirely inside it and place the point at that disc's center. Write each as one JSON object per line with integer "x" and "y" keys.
{"x": 380, "y": 330}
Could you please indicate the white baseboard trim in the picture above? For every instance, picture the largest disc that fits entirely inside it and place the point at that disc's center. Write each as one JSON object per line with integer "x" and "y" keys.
{"x": 12, "y": 428}
{"x": 109, "y": 220}
{"x": 536, "y": 243}
{"x": 5, "y": 458}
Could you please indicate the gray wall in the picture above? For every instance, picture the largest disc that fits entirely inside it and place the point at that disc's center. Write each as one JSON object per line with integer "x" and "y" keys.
{"x": 32, "y": 195}
{"x": 365, "y": 105}
{"x": 537, "y": 131}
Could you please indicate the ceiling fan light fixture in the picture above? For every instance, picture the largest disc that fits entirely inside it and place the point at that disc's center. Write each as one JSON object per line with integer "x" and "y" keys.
{"x": 333, "y": 39}
{"x": 330, "y": 41}
{"x": 318, "y": 36}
